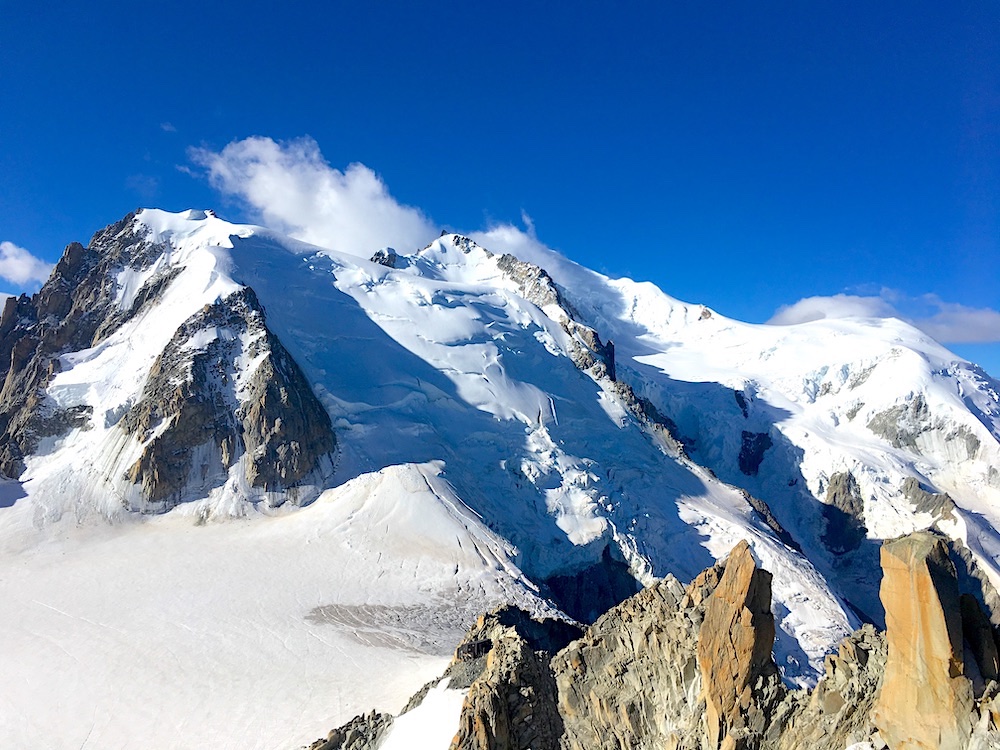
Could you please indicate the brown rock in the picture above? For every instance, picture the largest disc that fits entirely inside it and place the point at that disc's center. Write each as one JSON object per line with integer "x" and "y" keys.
{"x": 926, "y": 700}
{"x": 632, "y": 680}
{"x": 734, "y": 651}
{"x": 511, "y": 704}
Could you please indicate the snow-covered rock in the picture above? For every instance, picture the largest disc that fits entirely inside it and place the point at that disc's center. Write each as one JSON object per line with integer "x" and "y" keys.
{"x": 458, "y": 422}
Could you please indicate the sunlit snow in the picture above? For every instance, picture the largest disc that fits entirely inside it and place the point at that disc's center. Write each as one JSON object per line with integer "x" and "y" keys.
{"x": 474, "y": 461}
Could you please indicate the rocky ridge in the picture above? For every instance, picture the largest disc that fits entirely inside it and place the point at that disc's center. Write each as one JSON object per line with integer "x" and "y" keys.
{"x": 691, "y": 668}
{"x": 223, "y": 392}
{"x": 73, "y": 310}
{"x": 200, "y": 411}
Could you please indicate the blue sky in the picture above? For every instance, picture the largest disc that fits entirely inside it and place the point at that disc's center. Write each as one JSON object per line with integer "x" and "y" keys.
{"x": 744, "y": 156}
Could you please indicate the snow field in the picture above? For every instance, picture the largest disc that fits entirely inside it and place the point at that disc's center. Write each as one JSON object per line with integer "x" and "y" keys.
{"x": 474, "y": 461}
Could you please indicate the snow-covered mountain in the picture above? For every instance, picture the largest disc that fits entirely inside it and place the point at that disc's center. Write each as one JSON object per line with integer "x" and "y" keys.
{"x": 257, "y": 486}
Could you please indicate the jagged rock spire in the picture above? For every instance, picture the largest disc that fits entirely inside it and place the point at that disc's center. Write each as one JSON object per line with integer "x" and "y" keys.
{"x": 926, "y": 700}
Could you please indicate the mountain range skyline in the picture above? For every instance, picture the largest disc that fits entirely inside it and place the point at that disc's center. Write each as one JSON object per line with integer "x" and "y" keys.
{"x": 236, "y": 462}
{"x": 771, "y": 165}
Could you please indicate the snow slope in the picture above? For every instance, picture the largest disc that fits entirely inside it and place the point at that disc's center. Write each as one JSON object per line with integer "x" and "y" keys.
{"x": 873, "y": 397}
{"x": 476, "y": 462}
{"x": 254, "y": 633}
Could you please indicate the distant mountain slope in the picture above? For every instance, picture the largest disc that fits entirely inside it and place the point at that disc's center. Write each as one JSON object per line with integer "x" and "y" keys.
{"x": 796, "y": 414}
{"x": 574, "y": 435}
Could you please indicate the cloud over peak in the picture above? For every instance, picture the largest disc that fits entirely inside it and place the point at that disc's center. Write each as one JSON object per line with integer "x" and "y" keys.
{"x": 947, "y": 322}
{"x": 290, "y": 185}
{"x": 20, "y": 267}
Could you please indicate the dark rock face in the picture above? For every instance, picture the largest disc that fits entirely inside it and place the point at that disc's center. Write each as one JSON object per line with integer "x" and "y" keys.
{"x": 741, "y": 402}
{"x": 972, "y": 580}
{"x": 74, "y": 310}
{"x": 194, "y": 419}
{"x": 588, "y": 593}
{"x": 844, "y": 513}
{"x": 980, "y": 637}
{"x": 752, "y": 450}
{"x": 213, "y": 418}
{"x": 386, "y": 257}
{"x": 764, "y": 511}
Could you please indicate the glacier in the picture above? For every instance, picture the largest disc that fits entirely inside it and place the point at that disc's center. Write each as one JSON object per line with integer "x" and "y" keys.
{"x": 492, "y": 446}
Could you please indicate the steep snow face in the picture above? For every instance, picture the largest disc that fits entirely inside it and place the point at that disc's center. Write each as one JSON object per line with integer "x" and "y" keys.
{"x": 781, "y": 410}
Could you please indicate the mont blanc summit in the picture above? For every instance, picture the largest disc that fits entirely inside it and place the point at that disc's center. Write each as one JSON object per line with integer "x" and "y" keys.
{"x": 255, "y": 487}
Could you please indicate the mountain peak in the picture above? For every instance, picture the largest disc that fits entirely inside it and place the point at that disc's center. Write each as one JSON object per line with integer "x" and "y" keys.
{"x": 450, "y": 429}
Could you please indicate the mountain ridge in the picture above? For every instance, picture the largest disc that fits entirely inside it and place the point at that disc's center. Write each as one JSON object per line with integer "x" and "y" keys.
{"x": 573, "y": 429}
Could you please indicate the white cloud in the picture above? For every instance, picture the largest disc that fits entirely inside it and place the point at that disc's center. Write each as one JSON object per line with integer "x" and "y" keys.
{"x": 20, "y": 267}
{"x": 167, "y": 127}
{"x": 291, "y": 186}
{"x": 959, "y": 324}
{"x": 947, "y": 322}
{"x": 507, "y": 238}
{"x": 837, "y": 306}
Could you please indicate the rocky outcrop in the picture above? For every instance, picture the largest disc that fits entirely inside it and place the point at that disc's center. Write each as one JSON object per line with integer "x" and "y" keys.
{"x": 604, "y": 678}
{"x": 201, "y": 412}
{"x": 752, "y": 448}
{"x": 906, "y": 424}
{"x": 690, "y": 668}
{"x": 937, "y": 504}
{"x": 926, "y": 700}
{"x": 844, "y": 513}
{"x": 360, "y": 733}
{"x": 75, "y": 309}
{"x": 734, "y": 654}
{"x": 511, "y": 703}
{"x": 902, "y": 424}
{"x": 385, "y": 257}
{"x": 837, "y": 713}
{"x": 767, "y": 516}
{"x": 535, "y": 284}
